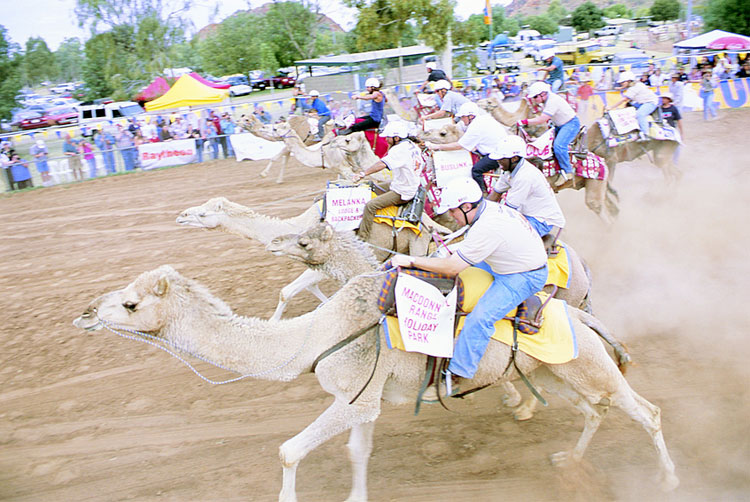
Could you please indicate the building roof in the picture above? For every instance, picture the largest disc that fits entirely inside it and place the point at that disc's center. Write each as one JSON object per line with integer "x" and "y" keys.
{"x": 362, "y": 57}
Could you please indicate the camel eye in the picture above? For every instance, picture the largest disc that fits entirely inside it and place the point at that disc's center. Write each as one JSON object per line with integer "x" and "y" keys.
{"x": 304, "y": 243}
{"x": 129, "y": 306}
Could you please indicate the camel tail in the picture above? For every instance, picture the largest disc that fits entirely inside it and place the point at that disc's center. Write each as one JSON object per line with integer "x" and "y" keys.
{"x": 622, "y": 357}
{"x": 590, "y": 277}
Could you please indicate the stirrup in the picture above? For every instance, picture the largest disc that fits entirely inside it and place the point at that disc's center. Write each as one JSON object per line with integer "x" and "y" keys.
{"x": 562, "y": 178}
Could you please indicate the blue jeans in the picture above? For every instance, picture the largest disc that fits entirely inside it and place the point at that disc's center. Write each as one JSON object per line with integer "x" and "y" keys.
{"x": 214, "y": 148}
{"x": 321, "y": 125}
{"x": 709, "y": 105}
{"x": 199, "y": 149}
{"x": 564, "y": 136}
{"x": 92, "y": 167}
{"x": 109, "y": 161}
{"x": 504, "y": 294}
{"x": 641, "y": 115}
{"x": 555, "y": 85}
{"x": 541, "y": 228}
{"x": 128, "y": 158}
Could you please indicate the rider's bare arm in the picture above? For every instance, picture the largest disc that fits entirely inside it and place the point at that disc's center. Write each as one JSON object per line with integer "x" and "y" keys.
{"x": 495, "y": 196}
{"x": 435, "y": 115}
{"x": 451, "y": 265}
{"x": 376, "y": 167}
{"x": 447, "y": 146}
{"x": 541, "y": 119}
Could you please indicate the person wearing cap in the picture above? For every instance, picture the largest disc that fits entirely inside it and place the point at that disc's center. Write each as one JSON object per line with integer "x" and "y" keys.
{"x": 641, "y": 97}
{"x": 501, "y": 241}
{"x": 20, "y": 171}
{"x": 406, "y": 163}
{"x": 452, "y": 101}
{"x": 671, "y": 113}
{"x": 71, "y": 152}
{"x": 433, "y": 75}
{"x": 371, "y": 121}
{"x": 262, "y": 115}
{"x": 324, "y": 114}
{"x": 525, "y": 187}
{"x": 555, "y": 76}
{"x": 677, "y": 90}
{"x": 566, "y": 123}
{"x": 483, "y": 135}
{"x": 40, "y": 153}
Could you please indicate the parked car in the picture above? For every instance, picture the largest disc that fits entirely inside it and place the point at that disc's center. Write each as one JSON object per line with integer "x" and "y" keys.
{"x": 32, "y": 120}
{"x": 62, "y": 115}
{"x": 239, "y": 86}
{"x": 637, "y": 59}
{"x": 505, "y": 60}
{"x": 283, "y": 80}
{"x": 257, "y": 81}
{"x": 608, "y": 30}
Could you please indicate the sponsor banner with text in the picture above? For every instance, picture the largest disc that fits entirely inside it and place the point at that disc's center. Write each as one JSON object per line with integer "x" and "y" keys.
{"x": 168, "y": 153}
{"x": 425, "y": 316}
{"x": 345, "y": 206}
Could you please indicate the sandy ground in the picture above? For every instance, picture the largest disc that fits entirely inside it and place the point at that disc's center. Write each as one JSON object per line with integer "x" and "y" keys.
{"x": 93, "y": 417}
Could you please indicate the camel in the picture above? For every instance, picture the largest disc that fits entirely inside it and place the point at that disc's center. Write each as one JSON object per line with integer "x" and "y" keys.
{"x": 663, "y": 151}
{"x": 222, "y": 214}
{"x": 395, "y": 103}
{"x": 509, "y": 119}
{"x": 597, "y": 196}
{"x": 181, "y": 313}
{"x": 301, "y": 126}
{"x": 341, "y": 256}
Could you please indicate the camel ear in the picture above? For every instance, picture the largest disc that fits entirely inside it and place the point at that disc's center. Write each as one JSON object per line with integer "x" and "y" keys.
{"x": 327, "y": 233}
{"x": 162, "y": 286}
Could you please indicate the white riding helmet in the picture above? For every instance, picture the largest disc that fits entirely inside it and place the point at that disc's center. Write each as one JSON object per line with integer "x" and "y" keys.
{"x": 667, "y": 95}
{"x": 442, "y": 84}
{"x": 372, "y": 82}
{"x": 314, "y": 93}
{"x": 457, "y": 192}
{"x": 547, "y": 53}
{"x": 467, "y": 109}
{"x": 509, "y": 147}
{"x": 431, "y": 65}
{"x": 537, "y": 88}
{"x": 625, "y": 76}
{"x": 396, "y": 128}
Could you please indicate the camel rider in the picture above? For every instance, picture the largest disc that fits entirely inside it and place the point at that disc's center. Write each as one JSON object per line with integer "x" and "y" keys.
{"x": 405, "y": 161}
{"x": 500, "y": 241}
{"x": 555, "y": 76}
{"x": 452, "y": 101}
{"x": 564, "y": 119}
{"x": 483, "y": 134}
{"x": 641, "y": 97}
{"x": 324, "y": 114}
{"x": 371, "y": 121}
{"x": 525, "y": 188}
{"x": 433, "y": 75}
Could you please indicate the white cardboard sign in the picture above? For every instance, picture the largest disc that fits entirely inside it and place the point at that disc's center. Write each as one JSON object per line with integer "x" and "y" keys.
{"x": 425, "y": 316}
{"x": 624, "y": 120}
{"x": 345, "y": 206}
{"x": 251, "y": 147}
{"x": 450, "y": 165}
{"x": 167, "y": 153}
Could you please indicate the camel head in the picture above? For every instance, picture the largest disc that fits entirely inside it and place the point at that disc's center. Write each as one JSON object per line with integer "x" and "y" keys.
{"x": 350, "y": 143}
{"x": 311, "y": 247}
{"x": 488, "y": 104}
{"x": 141, "y": 306}
{"x": 208, "y": 215}
{"x": 448, "y": 133}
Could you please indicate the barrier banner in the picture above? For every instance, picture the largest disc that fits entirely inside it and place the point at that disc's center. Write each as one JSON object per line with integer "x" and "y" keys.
{"x": 248, "y": 146}
{"x": 345, "y": 206}
{"x": 450, "y": 165}
{"x": 425, "y": 316}
{"x": 168, "y": 153}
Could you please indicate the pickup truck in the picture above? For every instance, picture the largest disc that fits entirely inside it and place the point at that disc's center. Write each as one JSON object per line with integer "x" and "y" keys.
{"x": 583, "y": 54}
{"x": 608, "y": 30}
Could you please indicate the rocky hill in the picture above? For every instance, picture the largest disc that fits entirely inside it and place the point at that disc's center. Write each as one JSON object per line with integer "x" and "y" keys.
{"x": 533, "y": 7}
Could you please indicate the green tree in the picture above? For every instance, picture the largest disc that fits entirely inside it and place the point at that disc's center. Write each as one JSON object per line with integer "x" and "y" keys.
{"x": 101, "y": 62}
{"x": 70, "y": 59}
{"x": 38, "y": 61}
{"x": 666, "y": 10}
{"x": 10, "y": 73}
{"x": 293, "y": 29}
{"x": 556, "y": 12}
{"x": 586, "y": 17}
{"x": 728, "y": 15}
{"x": 618, "y": 11}
{"x": 543, "y": 24}
{"x": 232, "y": 48}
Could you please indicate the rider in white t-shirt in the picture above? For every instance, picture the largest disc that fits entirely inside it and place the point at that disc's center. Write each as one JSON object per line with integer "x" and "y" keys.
{"x": 500, "y": 241}
{"x": 640, "y": 96}
{"x": 405, "y": 162}
{"x": 526, "y": 188}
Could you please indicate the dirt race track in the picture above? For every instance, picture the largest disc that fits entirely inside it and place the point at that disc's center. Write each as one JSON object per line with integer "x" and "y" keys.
{"x": 94, "y": 417}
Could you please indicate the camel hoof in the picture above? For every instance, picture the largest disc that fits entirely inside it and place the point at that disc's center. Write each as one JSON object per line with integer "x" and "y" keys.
{"x": 263, "y": 174}
{"x": 511, "y": 401}
{"x": 669, "y": 482}
{"x": 522, "y": 414}
{"x": 560, "y": 459}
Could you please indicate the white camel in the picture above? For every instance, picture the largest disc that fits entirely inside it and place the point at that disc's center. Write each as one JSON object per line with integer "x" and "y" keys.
{"x": 222, "y": 214}
{"x": 163, "y": 304}
{"x": 341, "y": 256}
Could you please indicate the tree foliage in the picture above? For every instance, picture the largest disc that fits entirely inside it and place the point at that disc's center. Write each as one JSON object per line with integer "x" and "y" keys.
{"x": 728, "y": 15}
{"x": 10, "y": 73}
{"x": 556, "y": 12}
{"x": 70, "y": 59}
{"x": 587, "y": 16}
{"x": 618, "y": 11}
{"x": 543, "y": 24}
{"x": 665, "y": 10}
{"x": 38, "y": 62}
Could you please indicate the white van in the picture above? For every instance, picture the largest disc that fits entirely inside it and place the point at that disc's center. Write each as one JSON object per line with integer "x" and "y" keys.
{"x": 109, "y": 111}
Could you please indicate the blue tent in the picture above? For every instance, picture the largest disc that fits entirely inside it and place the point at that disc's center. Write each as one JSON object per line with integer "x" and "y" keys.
{"x": 500, "y": 40}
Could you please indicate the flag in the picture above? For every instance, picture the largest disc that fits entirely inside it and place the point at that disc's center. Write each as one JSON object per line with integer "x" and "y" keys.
{"x": 487, "y": 12}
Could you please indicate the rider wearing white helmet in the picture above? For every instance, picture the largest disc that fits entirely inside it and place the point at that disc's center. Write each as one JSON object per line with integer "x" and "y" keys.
{"x": 452, "y": 101}
{"x": 374, "y": 94}
{"x": 564, "y": 119}
{"x": 526, "y": 190}
{"x": 483, "y": 135}
{"x": 554, "y": 69}
{"x": 405, "y": 161}
{"x": 500, "y": 241}
{"x": 641, "y": 97}
{"x": 433, "y": 75}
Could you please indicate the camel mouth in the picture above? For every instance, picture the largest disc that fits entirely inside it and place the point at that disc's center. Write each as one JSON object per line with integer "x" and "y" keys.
{"x": 88, "y": 323}
{"x": 189, "y": 221}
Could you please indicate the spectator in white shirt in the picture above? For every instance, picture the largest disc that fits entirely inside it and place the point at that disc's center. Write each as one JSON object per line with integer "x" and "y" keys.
{"x": 483, "y": 135}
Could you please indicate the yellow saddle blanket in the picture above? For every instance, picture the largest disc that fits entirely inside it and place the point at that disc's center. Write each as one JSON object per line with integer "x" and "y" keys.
{"x": 555, "y": 343}
{"x": 558, "y": 267}
{"x": 387, "y": 216}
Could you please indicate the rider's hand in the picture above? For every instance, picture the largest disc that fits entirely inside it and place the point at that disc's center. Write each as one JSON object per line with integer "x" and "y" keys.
{"x": 430, "y": 145}
{"x": 402, "y": 261}
{"x": 522, "y": 123}
{"x": 358, "y": 176}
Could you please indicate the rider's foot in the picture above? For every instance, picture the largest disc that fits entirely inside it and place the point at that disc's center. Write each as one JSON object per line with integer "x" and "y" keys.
{"x": 562, "y": 178}
{"x": 642, "y": 137}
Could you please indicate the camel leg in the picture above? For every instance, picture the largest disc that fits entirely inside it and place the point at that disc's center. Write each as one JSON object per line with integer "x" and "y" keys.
{"x": 280, "y": 178}
{"x": 511, "y": 397}
{"x": 360, "y": 448}
{"x": 339, "y": 417}
{"x": 596, "y": 194}
{"x": 309, "y": 280}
